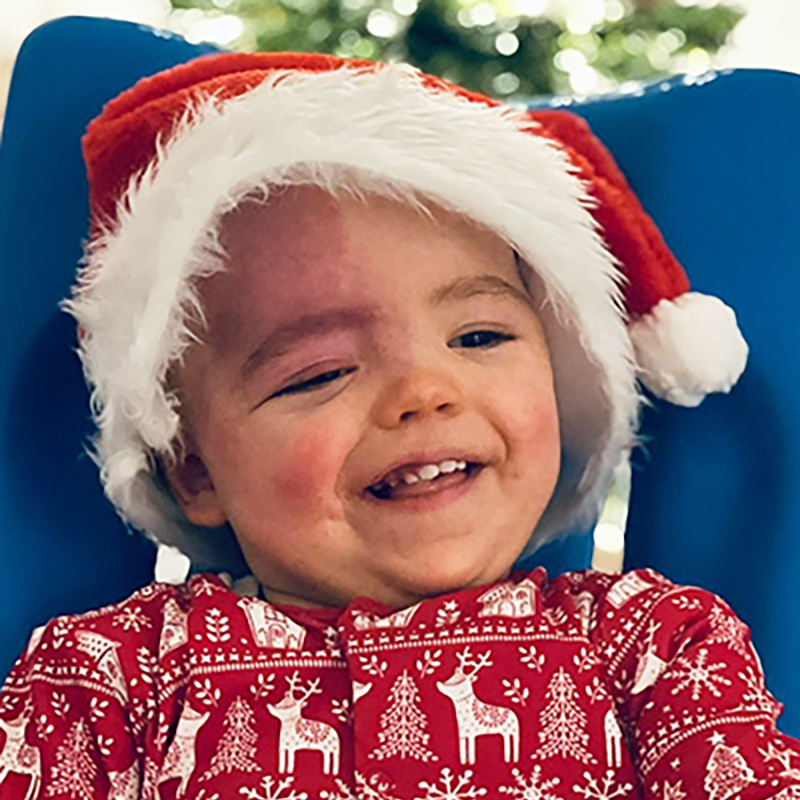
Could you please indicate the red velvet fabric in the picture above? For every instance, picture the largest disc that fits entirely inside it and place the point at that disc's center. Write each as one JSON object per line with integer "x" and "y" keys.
{"x": 585, "y": 686}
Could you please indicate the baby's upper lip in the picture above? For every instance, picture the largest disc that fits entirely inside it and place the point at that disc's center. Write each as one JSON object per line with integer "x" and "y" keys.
{"x": 417, "y": 460}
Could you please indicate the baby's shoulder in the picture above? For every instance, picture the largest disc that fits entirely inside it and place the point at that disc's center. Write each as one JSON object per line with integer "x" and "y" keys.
{"x": 608, "y": 601}
{"x": 132, "y": 634}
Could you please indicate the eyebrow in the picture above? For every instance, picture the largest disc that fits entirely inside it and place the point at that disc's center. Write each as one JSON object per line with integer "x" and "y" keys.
{"x": 311, "y": 326}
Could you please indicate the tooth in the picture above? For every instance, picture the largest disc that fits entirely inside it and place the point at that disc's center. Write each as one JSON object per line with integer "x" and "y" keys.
{"x": 428, "y": 472}
{"x": 410, "y": 478}
{"x": 448, "y": 466}
{"x": 462, "y": 464}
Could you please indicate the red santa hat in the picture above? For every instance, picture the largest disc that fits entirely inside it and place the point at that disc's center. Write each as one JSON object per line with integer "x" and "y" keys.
{"x": 170, "y": 157}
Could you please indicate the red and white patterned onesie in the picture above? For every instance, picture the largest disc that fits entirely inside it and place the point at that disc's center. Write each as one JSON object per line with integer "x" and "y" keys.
{"x": 585, "y": 687}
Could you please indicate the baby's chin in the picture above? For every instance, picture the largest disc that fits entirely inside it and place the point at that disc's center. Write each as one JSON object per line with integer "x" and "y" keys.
{"x": 407, "y": 588}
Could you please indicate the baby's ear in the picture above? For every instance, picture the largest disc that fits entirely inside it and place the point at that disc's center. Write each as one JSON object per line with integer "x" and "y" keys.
{"x": 190, "y": 483}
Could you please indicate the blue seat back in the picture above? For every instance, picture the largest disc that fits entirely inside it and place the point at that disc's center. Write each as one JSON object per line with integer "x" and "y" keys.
{"x": 716, "y": 490}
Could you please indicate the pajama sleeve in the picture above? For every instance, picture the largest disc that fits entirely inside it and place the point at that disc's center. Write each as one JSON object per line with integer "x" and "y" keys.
{"x": 690, "y": 693}
{"x": 75, "y": 709}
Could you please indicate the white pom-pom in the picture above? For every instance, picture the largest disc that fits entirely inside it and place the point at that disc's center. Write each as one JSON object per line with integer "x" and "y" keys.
{"x": 689, "y": 347}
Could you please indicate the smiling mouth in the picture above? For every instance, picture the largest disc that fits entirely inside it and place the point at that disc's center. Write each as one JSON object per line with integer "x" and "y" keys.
{"x": 402, "y": 490}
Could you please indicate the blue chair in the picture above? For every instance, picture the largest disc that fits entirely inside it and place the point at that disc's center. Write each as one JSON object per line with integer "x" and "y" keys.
{"x": 64, "y": 549}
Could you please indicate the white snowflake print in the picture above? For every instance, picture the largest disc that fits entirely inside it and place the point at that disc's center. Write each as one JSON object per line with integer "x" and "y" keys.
{"x": 531, "y": 658}
{"x": 602, "y": 789}
{"x": 728, "y": 629}
{"x": 452, "y": 787}
{"x": 448, "y": 614}
{"x": 699, "y": 675}
{"x": 217, "y": 626}
{"x": 367, "y": 788}
{"x": 373, "y": 665}
{"x": 274, "y": 790}
{"x": 533, "y": 788}
{"x": 516, "y": 691}
{"x": 203, "y": 586}
{"x": 428, "y": 663}
{"x": 132, "y": 618}
{"x": 755, "y": 697}
{"x": 784, "y": 758}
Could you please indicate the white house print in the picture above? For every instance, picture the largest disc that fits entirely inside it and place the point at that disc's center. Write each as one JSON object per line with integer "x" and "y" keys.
{"x": 271, "y": 628}
{"x": 510, "y": 600}
{"x": 626, "y": 588}
{"x": 400, "y": 619}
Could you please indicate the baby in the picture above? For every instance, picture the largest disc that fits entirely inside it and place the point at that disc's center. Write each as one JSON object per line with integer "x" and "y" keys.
{"x": 363, "y": 336}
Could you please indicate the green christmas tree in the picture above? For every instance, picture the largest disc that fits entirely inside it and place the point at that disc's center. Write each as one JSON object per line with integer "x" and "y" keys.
{"x": 490, "y": 46}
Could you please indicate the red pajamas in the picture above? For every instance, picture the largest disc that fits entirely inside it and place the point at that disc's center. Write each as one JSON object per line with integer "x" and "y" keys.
{"x": 587, "y": 686}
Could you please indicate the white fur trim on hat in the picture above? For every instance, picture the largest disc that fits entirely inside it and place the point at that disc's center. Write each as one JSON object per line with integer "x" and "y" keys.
{"x": 382, "y": 131}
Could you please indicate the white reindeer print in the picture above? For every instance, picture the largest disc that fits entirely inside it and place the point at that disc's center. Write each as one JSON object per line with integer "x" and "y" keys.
{"x": 181, "y": 756}
{"x": 474, "y": 717}
{"x": 19, "y": 757}
{"x": 299, "y": 733}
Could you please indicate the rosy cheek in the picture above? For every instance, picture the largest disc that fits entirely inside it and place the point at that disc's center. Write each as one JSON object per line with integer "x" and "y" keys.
{"x": 310, "y": 463}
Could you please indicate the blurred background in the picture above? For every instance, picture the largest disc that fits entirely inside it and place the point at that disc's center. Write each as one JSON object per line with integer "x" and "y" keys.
{"x": 514, "y": 49}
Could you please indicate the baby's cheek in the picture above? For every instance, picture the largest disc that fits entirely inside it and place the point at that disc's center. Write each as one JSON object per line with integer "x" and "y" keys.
{"x": 310, "y": 463}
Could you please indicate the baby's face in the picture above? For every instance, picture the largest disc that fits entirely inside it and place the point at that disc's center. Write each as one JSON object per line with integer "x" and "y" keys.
{"x": 344, "y": 341}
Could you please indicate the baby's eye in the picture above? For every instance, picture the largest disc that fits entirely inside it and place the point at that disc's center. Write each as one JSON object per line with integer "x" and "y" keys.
{"x": 483, "y": 339}
{"x": 316, "y": 382}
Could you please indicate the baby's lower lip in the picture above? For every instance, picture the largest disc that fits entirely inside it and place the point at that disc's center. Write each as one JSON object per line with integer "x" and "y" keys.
{"x": 431, "y": 494}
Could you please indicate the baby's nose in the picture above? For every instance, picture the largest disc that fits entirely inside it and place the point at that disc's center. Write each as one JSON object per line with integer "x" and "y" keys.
{"x": 419, "y": 394}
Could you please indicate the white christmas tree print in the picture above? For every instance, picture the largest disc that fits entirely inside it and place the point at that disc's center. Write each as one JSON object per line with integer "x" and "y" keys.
{"x": 237, "y": 746}
{"x": 74, "y": 769}
{"x": 699, "y": 675}
{"x": 603, "y": 789}
{"x": 452, "y": 787}
{"x": 727, "y": 772}
{"x": 403, "y": 724}
{"x": 563, "y": 721}
{"x": 533, "y": 788}
{"x": 274, "y": 790}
